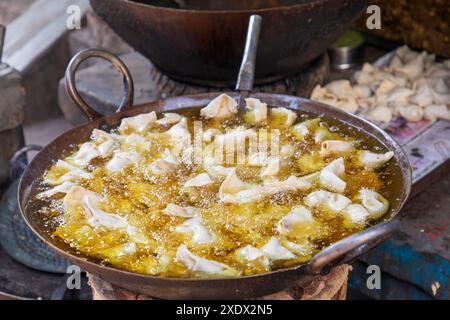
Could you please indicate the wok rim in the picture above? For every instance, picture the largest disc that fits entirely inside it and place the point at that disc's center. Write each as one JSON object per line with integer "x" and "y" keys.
{"x": 240, "y": 11}
{"x": 398, "y": 155}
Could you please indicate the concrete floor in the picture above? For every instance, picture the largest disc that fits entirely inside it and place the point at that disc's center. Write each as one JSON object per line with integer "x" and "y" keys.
{"x": 43, "y": 132}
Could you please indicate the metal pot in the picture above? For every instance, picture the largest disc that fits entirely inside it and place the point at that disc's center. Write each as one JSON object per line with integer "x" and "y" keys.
{"x": 202, "y": 43}
{"x": 224, "y": 288}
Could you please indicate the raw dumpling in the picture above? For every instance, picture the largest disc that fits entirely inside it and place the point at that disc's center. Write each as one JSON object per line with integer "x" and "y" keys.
{"x": 331, "y": 176}
{"x": 435, "y": 112}
{"x": 275, "y": 251}
{"x": 341, "y": 88}
{"x": 221, "y": 107}
{"x": 202, "y": 265}
{"x": 323, "y": 95}
{"x": 333, "y": 201}
{"x": 194, "y": 227}
{"x": 139, "y": 123}
{"x": 121, "y": 160}
{"x": 373, "y": 160}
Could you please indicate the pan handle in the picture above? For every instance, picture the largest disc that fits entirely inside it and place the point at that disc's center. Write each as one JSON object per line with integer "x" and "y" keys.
{"x": 127, "y": 100}
{"x": 246, "y": 75}
{"x": 347, "y": 249}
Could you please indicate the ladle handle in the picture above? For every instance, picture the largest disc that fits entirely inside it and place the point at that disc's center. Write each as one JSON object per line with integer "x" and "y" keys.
{"x": 347, "y": 249}
{"x": 127, "y": 100}
{"x": 246, "y": 75}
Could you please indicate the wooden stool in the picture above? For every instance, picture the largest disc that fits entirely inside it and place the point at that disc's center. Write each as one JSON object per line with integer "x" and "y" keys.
{"x": 332, "y": 286}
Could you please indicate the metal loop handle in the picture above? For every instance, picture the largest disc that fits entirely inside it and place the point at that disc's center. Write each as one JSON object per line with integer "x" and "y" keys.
{"x": 127, "y": 100}
{"x": 344, "y": 250}
{"x": 246, "y": 75}
{"x": 19, "y": 162}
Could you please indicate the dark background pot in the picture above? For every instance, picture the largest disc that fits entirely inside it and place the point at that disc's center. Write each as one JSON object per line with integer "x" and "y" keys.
{"x": 203, "y": 43}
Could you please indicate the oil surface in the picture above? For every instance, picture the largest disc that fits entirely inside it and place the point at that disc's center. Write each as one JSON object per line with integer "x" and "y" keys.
{"x": 140, "y": 197}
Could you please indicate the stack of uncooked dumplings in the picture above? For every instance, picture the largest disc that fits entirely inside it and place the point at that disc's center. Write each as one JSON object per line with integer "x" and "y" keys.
{"x": 413, "y": 86}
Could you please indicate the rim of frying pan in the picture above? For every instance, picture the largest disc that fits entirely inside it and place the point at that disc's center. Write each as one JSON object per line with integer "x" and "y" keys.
{"x": 184, "y": 102}
{"x": 216, "y": 11}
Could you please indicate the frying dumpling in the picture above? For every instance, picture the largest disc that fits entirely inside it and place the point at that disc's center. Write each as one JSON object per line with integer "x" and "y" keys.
{"x": 169, "y": 118}
{"x": 374, "y": 202}
{"x": 297, "y": 216}
{"x": 333, "y": 201}
{"x": 194, "y": 227}
{"x": 202, "y": 265}
{"x": 291, "y": 184}
{"x": 106, "y": 142}
{"x": 253, "y": 255}
{"x": 373, "y": 160}
{"x": 181, "y": 140}
{"x": 221, "y": 107}
{"x": 232, "y": 184}
{"x": 330, "y": 176}
{"x": 85, "y": 154}
{"x": 122, "y": 160}
{"x": 199, "y": 180}
{"x": 335, "y": 147}
{"x": 300, "y": 249}
{"x": 70, "y": 173}
{"x": 102, "y": 145}
{"x": 166, "y": 165}
{"x": 274, "y": 250}
{"x": 321, "y": 134}
{"x": 139, "y": 123}
{"x": 234, "y": 190}
{"x": 136, "y": 142}
{"x": 62, "y": 188}
{"x": 257, "y": 113}
{"x": 120, "y": 250}
{"x": 272, "y": 168}
{"x": 178, "y": 211}
{"x": 356, "y": 214}
{"x": 288, "y": 115}
{"x": 90, "y": 201}
{"x": 302, "y": 129}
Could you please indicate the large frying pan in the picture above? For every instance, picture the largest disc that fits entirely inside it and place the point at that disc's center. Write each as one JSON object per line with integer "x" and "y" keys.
{"x": 224, "y": 288}
{"x": 202, "y": 42}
